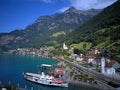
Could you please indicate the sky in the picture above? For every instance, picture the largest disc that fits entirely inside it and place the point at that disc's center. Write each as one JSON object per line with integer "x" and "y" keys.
{"x": 18, "y": 14}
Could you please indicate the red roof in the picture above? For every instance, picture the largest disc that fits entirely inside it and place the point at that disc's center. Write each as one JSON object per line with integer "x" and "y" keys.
{"x": 110, "y": 63}
{"x": 60, "y": 71}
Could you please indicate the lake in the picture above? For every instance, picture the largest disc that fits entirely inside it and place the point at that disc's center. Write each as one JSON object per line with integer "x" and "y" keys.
{"x": 13, "y": 66}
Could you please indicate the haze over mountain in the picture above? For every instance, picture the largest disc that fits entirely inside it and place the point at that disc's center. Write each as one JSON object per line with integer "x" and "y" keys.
{"x": 46, "y": 30}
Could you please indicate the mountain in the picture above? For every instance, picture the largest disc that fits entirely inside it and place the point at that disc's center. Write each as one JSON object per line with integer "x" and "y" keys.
{"x": 46, "y": 30}
{"x": 103, "y": 30}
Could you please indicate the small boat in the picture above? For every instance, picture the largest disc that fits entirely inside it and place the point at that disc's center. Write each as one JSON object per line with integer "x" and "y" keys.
{"x": 45, "y": 79}
{"x": 46, "y": 66}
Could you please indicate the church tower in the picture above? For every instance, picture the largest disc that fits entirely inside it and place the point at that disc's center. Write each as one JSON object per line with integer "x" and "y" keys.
{"x": 102, "y": 65}
{"x": 64, "y": 46}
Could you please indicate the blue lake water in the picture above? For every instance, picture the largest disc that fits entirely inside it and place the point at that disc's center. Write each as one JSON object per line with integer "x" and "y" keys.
{"x": 12, "y": 67}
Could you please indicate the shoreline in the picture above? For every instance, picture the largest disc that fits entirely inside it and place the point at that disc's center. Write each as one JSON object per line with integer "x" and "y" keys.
{"x": 79, "y": 83}
{"x": 71, "y": 81}
{"x": 95, "y": 86}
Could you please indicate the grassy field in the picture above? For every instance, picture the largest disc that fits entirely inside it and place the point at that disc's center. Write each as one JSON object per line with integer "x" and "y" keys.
{"x": 58, "y": 33}
{"x": 82, "y": 45}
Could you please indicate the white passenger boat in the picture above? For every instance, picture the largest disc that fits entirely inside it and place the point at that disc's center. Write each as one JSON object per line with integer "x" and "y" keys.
{"x": 45, "y": 79}
{"x": 45, "y": 65}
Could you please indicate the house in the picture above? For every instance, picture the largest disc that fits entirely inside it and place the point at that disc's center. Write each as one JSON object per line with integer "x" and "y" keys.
{"x": 107, "y": 66}
{"x": 93, "y": 51}
{"x": 96, "y": 62}
{"x": 79, "y": 59}
{"x": 60, "y": 71}
{"x": 90, "y": 59}
{"x": 110, "y": 63}
{"x": 96, "y": 51}
{"x": 111, "y": 66}
{"x": 116, "y": 65}
{"x": 74, "y": 56}
{"x": 110, "y": 70}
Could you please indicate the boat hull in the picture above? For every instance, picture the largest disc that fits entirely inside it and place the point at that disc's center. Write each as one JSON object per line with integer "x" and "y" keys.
{"x": 44, "y": 81}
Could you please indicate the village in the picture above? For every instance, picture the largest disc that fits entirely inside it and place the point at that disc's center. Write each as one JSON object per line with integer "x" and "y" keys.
{"x": 78, "y": 68}
{"x": 104, "y": 65}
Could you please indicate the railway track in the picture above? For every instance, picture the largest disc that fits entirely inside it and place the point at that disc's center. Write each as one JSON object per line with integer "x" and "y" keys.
{"x": 102, "y": 79}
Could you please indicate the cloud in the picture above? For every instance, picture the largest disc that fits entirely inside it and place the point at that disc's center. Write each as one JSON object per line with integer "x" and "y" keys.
{"x": 47, "y": 1}
{"x": 63, "y": 9}
{"x": 88, "y": 4}
{"x": 52, "y": 1}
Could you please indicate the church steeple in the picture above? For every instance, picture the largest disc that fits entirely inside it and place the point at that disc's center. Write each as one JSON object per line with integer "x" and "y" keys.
{"x": 65, "y": 46}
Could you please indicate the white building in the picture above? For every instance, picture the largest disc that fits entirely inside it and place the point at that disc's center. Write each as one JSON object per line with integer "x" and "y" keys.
{"x": 106, "y": 70}
{"x": 4, "y": 89}
{"x": 90, "y": 60}
{"x": 110, "y": 70}
{"x": 102, "y": 65}
{"x": 79, "y": 59}
{"x": 65, "y": 46}
{"x": 74, "y": 56}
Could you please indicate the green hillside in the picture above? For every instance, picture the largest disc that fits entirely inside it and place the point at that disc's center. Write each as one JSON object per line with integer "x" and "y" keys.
{"x": 82, "y": 46}
{"x": 103, "y": 30}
